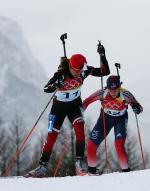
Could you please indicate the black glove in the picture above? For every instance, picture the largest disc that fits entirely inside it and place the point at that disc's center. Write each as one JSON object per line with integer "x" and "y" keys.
{"x": 55, "y": 82}
{"x": 59, "y": 82}
{"x": 136, "y": 108}
{"x": 101, "y": 50}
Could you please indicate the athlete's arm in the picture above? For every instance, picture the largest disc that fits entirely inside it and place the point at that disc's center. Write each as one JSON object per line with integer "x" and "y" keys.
{"x": 92, "y": 98}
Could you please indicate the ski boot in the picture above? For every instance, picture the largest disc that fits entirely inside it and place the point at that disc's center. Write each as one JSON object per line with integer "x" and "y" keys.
{"x": 81, "y": 167}
{"x": 39, "y": 172}
{"x": 126, "y": 170}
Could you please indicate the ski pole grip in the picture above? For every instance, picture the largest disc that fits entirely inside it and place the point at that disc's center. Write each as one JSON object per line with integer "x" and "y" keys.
{"x": 63, "y": 37}
{"x": 117, "y": 65}
{"x": 98, "y": 46}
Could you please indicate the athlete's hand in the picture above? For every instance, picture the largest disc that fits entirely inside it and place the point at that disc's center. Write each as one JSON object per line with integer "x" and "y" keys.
{"x": 136, "y": 108}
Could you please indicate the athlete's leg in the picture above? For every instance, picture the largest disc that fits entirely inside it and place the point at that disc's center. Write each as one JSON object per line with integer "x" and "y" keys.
{"x": 120, "y": 137}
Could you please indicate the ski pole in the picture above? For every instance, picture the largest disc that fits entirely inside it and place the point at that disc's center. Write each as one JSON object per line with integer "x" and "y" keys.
{"x": 60, "y": 158}
{"x": 104, "y": 124}
{"x": 118, "y": 66}
{"x": 98, "y": 50}
{"x": 139, "y": 135}
{"x": 62, "y": 38}
{"x": 11, "y": 162}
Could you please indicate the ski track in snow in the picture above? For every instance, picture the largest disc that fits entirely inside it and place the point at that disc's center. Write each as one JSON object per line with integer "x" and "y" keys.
{"x": 132, "y": 181}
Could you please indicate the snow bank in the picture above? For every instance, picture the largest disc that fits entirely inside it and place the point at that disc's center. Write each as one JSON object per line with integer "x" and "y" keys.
{"x": 132, "y": 181}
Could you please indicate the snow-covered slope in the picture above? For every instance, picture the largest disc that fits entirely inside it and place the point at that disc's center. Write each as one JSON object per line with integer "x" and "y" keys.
{"x": 132, "y": 181}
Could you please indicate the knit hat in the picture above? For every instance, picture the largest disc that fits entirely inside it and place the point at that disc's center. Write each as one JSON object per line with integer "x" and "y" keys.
{"x": 113, "y": 82}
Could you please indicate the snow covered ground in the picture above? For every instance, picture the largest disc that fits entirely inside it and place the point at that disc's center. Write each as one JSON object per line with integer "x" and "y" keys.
{"x": 132, "y": 181}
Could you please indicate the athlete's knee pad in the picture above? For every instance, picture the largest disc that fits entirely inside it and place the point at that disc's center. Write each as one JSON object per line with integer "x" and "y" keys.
{"x": 78, "y": 125}
{"x": 51, "y": 122}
